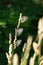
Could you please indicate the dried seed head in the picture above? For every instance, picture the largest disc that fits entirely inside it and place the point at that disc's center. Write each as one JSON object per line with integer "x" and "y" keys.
{"x": 32, "y": 59}
{"x": 15, "y": 59}
{"x": 10, "y": 49}
{"x": 40, "y": 26}
{"x": 24, "y": 47}
{"x": 36, "y": 48}
{"x": 10, "y": 38}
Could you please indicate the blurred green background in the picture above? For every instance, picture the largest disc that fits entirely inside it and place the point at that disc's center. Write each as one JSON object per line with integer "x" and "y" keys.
{"x": 9, "y": 14}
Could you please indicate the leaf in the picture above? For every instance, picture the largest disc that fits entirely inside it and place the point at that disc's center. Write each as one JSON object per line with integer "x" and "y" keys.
{"x": 2, "y": 23}
{"x": 18, "y": 42}
{"x": 19, "y": 31}
{"x": 24, "y": 47}
{"x": 24, "y": 18}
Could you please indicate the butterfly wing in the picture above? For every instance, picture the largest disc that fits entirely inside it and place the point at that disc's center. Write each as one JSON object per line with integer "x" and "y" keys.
{"x": 18, "y": 42}
{"x": 19, "y": 31}
{"x": 24, "y": 18}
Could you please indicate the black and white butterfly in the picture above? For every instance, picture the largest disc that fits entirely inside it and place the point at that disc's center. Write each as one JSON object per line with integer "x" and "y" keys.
{"x": 19, "y": 31}
{"x": 23, "y": 19}
{"x": 18, "y": 42}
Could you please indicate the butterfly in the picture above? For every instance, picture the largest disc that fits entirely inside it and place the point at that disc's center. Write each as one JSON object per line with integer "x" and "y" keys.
{"x": 18, "y": 42}
{"x": 19, "y": 31}
{"x": 23, "y": 19}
